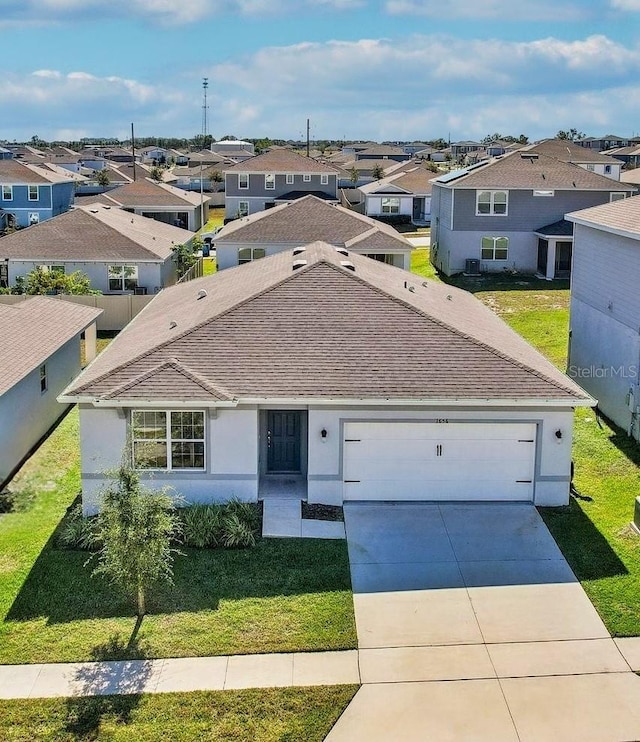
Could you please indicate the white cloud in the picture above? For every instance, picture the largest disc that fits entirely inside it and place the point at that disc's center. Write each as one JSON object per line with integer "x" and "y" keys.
{"x": 631, "y": 5}
{"x": 503, "y": 10}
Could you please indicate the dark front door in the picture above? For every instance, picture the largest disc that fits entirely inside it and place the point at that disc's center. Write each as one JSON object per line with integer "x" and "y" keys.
{"x": 283, "y": 441}
{"x": 563, "y": 259}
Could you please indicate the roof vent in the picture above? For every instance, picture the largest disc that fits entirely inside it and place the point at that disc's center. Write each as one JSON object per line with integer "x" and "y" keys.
{"x": 93, "y": 211}
{"x": 106, "y": 207}
{"x": 299, "y": 250}
{"x": 412, "y": 289}
{"x": 425, "y": 284}
{"x": 172, "y": 325}
{"x": 529, "y": 155}
{"x": 201, "y": 294}
{"x": 346, "y": 264}
{"x": 298, "y": 264}
{"x": 342, "y": 251}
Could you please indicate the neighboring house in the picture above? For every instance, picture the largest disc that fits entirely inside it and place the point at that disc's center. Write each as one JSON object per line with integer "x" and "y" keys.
{"x": 277, "y": 176}
{"x": 412, "y": 148}
{"x": 604, "y": 345}
{"x": 460, "y": 149}
{"x": 5, "y": 154}
{"x": 629, "y": 155}
{"x": 160, "y": 201}
{"x": 306, "y": 220}
{"x": 366, "y": 171}
{"x": 382, "y": 152}
{"x": 497, "y": 214}
{"x": 41, "y": 356}
{"x": 30, "y": 194}
{"x": 210, "y": 178}
{"x": 567, "y": 151}
{"x": 234, "y": 148}
{"x": 599, "y": 144}
{"x": 631, "y": 176}
{"x": 344, "y": 375}
{"x": 406, "y": 194}
{"x": 121, "y": 253}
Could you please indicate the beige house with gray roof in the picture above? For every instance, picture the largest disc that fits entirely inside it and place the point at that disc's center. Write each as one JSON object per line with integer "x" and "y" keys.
{"x": 321, "y": 367}
{"x": 40, "y": 357}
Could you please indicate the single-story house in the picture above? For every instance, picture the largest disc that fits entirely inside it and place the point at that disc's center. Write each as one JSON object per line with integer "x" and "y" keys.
{"x": 121, "y": 253}
{"x": 41, "y": 356}
{"x": 352, "y": 378}
{"x": 604, "y": 346}
{"x": 306, "y": 220}
{"x": 405, "y": 194}
{"x": 161, "y": 202}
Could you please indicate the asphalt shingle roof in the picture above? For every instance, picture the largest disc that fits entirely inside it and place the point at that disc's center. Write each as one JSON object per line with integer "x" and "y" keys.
{"x": 306, "y": 220}
{"x": 620, "y": 216}
{"x": 523, "y": 169}
{"x": 13, "y": 172}
{"x": 281, "y": 161}
{"x": 32, "y": 330}
{"x": 94, "y": 232}
{"x": 324, "y": 331}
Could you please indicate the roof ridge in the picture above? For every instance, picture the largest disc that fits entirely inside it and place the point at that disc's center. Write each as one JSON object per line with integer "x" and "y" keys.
{"x": 177, "y": 366}
{"x": 447, "y": 326}
{"x": 189, "y": 331}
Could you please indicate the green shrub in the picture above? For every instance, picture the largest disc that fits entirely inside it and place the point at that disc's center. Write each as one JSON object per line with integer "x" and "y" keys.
{"x": 76, "y": 531}
{"x": 236, "y": 533}
{"x": 201, "y": 526}
{"x": 231, "y": 525}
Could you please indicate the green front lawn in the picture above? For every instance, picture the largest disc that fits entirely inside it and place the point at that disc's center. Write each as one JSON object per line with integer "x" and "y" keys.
{"x": 283, "y": 595}
{"x": 216, "y": 219}
{"x": 265, "y": 715}
{"x": 593, "y": 531}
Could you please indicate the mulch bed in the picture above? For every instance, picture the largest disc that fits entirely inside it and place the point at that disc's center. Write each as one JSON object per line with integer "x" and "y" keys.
{"x": 322, "y": 512}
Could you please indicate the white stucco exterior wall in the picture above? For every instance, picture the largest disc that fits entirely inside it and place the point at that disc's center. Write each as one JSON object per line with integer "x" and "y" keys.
{"x": 233, "y": 450}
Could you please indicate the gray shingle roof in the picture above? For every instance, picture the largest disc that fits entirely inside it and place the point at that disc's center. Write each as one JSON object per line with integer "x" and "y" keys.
{"x": 281, "y": 161}
{"x": 94, "y": 232}
{"x": 622, "y": 217}
{"x": 561, "y": 228}
{"x": 526, "y": 170}
{"x": 146, "y": 192}
{"x": 34, "y": 329}
{"x": 13, "y": 172}
{"x": 567, "y": 151}
{"x": 266, "y": 331}
{"x": 306, "y": 220}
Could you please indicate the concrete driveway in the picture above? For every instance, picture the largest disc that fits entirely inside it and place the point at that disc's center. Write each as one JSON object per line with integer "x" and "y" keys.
{"x": 472, "y": 626}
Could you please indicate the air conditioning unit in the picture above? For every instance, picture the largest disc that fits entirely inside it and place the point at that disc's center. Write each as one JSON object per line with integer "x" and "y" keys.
{"x": 472, "y": 267}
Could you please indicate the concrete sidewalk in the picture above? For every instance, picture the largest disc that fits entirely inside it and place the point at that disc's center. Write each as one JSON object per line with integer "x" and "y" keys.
{"x": 180, "y": 674}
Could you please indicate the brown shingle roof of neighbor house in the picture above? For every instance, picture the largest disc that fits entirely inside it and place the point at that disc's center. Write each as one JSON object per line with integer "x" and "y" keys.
{"x": 337, "y": 328}
{"x": 380, "y": 150}
{"x": 34, "y": 329}
{"x": 415, "y": 180}
{"x": 13, "y": 172}
{"x": 305, "y": 220}
{"x": 146, "y": 192}
{"x": 94, "y": 233}
{"x": 631, "y": 176}
{"x": 530, "y": 170}
{"x": 281, "y": 161}
{"x": 620, "y": 217}
{"x": 567, "y": 151}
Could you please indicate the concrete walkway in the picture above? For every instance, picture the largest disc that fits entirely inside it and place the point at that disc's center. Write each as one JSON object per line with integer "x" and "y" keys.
{"x": 472, "y": 627}
{"x": 282, "y": 518}
{"x": 183, "y": 674}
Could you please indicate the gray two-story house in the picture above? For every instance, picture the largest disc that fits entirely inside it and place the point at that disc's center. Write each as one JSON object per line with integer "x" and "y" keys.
{"x": 276, "y": 177}
{"x": 508, "y": 214}
{"x": 30, "y": 194}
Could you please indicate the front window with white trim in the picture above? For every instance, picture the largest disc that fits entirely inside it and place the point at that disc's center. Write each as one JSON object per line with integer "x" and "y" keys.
{"x": 324, "y": 179}
{"x": 390, "y": 205}
{"x": 168, "y": 439}
{"x": 491, "y": 203}
{"x": 243, "y": 209}
{"x": 289, "y": 178}
{"x": 247, "y": 254}
{"x": 243, "y": 180}
{"x": 123, "y": 277}
{"x": 618, "y": 196}
{"x": 7, "y": 193}
{"x": 495, "y": 248}
{"x": 34, "y": 192}
{"x": 269, "y": 181}
{"x": 306, "y": 178}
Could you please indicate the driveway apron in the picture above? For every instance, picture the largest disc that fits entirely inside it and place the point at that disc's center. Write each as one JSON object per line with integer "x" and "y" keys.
{"x": 472, "y": 626}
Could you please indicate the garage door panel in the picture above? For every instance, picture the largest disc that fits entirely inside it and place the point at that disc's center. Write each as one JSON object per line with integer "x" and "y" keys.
{"x": 431, "y": 461}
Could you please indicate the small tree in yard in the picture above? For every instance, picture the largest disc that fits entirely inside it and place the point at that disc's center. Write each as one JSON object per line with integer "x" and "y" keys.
{"x": 102, "y": 178}
{"x": 377, "y": 172}
{"x": 354, "y": 175}
{"x": 136, "y": 527}
{"x": 186, "y": 256}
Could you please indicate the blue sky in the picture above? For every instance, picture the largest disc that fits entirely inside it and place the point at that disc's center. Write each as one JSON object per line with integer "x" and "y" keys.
{"x": 379, "y": 69}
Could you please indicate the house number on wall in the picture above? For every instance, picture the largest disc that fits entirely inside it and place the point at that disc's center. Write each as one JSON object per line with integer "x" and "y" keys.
{"x": 441, "y": 420}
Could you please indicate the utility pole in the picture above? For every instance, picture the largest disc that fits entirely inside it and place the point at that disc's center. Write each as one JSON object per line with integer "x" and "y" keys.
{"x": 308, "y": 141}
{"x": 205, "y": 108}
{"x": 133, "y": 151}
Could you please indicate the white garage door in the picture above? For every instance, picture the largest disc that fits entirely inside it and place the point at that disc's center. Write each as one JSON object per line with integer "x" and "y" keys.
{"x": 439, "y": 461}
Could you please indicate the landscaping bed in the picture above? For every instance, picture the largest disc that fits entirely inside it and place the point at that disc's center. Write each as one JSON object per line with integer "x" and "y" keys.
{"x": 262, "y": 715}
{"x": 282, "y": 595}
{"x": 322, "y": 512}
